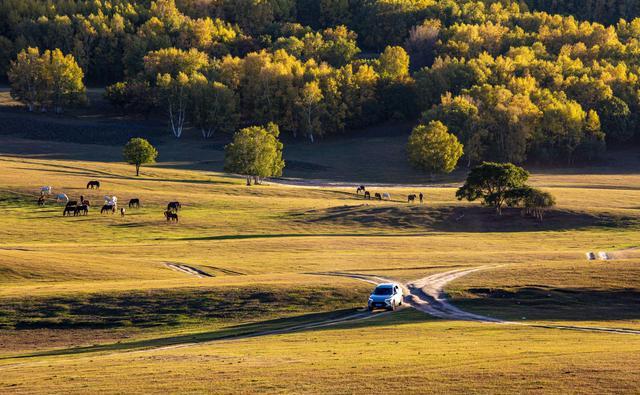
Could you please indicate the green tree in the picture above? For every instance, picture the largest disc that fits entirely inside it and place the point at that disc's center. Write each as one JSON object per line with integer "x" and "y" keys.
{"x": 64, "y": 80}
{"x": 309, "y": 103}
{"x": 433, "y": 149}
{"x": 492, "y": 182}
{"x": 26, "y": 77}
{"x": 393, "y": 63}
{"x": 255, "y": 152}
{"x": 139, "y": 151}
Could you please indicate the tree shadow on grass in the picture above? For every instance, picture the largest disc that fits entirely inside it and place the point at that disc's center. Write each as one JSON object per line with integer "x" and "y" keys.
{"x": 461, "y": 218}
{"x": 553, "y": 304}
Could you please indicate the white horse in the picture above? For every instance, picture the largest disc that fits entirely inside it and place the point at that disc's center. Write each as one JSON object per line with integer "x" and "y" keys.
{"x": 61, "y": 197}
{"x": 111, "y": 200}
{"x": 386, "y": 196}
{"x": 46, "y": 190}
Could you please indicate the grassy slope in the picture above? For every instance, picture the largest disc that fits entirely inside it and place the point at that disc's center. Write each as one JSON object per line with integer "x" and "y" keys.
{"x": 267, "y": 240}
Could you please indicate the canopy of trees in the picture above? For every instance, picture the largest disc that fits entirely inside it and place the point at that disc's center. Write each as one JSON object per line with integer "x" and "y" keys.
{"x": 511, "y": 81}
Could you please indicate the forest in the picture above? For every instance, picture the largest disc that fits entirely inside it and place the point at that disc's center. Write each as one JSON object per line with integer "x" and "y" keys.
{"x": 536, "y": 80}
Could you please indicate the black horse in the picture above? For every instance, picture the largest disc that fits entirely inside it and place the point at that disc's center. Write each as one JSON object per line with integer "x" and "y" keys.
{"x": 93, "y": 184}
{"x": 72, "y": 203}
{"x": 68, "y": 210}
{"x": 108, "y": 207}
{"x": 41, "y": 201}
{"x": 171, "y": 216}
{"x": 134, "y": 203}
{"x": 361, "y": 188}
{"x": 81, "y": 210}
{"x": 175, "y": 206}
{"x": 378, "y": 196}
{"x": 411, "y": 198}
{"x": 367, "y": 195}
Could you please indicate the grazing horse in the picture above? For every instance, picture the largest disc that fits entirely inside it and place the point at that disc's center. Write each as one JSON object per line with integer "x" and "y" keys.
{"x": 71, "y": 203}
{"x": 175, "y": 206}
{"x": 367, "y": 195}
{"x": 69, "y": 210}
{"x": 171, "y": 216}
{"x": 46, "y": 190}
{"x": 134, "y": 203}
{"x": 378, "y": 196}
{"x": 93, "y": 184}
{"x": 62, "y": 197}
{"x": 41, "y": 201}
{"x": 386, "y": 196}
{"x": 361, "y": 188}
{"x": 108, "y": 207}
{"x": 411, "y": 198}
{"x": 83, "y": 209}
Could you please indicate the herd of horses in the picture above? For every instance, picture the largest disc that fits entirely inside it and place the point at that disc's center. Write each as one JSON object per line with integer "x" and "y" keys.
{"x": 81, "y": 207}
{"x": 386, "y": 196}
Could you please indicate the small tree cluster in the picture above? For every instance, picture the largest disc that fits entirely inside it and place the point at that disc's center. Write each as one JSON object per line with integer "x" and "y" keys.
{"x": 433, "y": 149}
{"x": 51, "y": 80}
{"x": 504, "y": 184}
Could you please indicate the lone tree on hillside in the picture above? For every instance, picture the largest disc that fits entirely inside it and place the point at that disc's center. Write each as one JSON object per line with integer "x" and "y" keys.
{"x": 433, "y": 149}
{"x": 255, "y": 152}
{"x": 492, "y": 183}
{"x": 139, "y": 151}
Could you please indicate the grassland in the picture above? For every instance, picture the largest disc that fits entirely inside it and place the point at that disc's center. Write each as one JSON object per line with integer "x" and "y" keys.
{"x": 89, "y": 304}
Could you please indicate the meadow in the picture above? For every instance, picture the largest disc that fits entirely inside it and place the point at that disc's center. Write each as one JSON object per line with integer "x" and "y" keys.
{"x": 91, "y": 303}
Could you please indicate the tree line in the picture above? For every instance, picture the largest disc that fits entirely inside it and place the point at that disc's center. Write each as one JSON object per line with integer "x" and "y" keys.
{"x": 510, "y": 84}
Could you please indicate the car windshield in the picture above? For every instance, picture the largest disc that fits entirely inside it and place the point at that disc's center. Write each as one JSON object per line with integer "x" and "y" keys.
{"x": 382, "y": 291}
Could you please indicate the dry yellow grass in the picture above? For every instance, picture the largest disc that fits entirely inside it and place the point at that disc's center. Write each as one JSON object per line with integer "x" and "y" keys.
{"x": 276, "y": 237}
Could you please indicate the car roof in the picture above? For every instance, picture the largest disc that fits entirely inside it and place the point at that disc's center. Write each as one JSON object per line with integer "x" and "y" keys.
{"x": 386, "y": 285}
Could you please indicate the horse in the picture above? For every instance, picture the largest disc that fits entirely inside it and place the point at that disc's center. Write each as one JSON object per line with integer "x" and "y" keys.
{"x": 61, "y": 196}
{"x": 107, "y": 208}
{"x": 367, "y": 195}
{"x": 93, "y": 184}
{"x": 175, "y": 206}
{"x": 361, "y": 188}
{"x": 378, "y": 196}
{"x": 134, "y": 203}
{"x": 69, "y": 210}
{"x": 85, "y": 202}
{"x": 83, "y": 209}
{"x": 46, "y": 190}
{"x": 171, "y": 216}
{"x": 122, "y": 210}
{"x": 411, "y": 198}
{"x": 386, "y": 196}
{"x": 72, "y": 203}
{"x": 41, "y": 201}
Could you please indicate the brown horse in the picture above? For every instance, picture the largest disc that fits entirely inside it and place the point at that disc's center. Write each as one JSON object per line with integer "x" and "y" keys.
{"x": 171, "y": 216}
{"x": 41, "y": 201}
{"x": 411, "y": 198}
{"x": 367, "y": 195}
{"x": 93, "y": 184}
{"x": 134, "y": 203}
{"x": 175, "y": 206}
{"x": 378, "y": 196}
